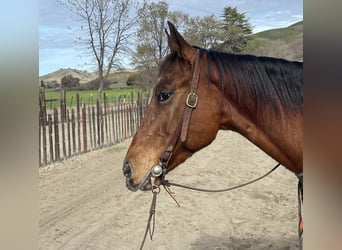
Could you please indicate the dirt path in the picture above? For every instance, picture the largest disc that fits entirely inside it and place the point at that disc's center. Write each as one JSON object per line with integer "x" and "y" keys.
{"x": 84, "y": 203}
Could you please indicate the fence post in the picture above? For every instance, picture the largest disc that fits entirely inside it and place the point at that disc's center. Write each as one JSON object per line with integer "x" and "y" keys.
{"x": 62, "y": 100}
{"x": 63, "y": 119}
{"x": 69, "y": 132}
{"x": 78, "y": 122}
{"x": 98, "y": 123}
{"x": 89, "y": 127}
{"x": 105, "y": 116}
{"x": 117, "y": 120}
{"x": 94, "y": 124}
{"x": 43, "y": 122}
{"x": 131, "y": 118}
{"x": 50, "y": 137}
{"x": 102, "y": 125}
{"x": 57, "y": 154}
{"x": 73, "y": 130}
{"x": 63, "y": 138}
{"x": 124, "y": 119}
{"x": 139, "y": 107}
{"x": 109, "y": 125}
{"x": 84, "y": 128}
{"x": 113, "y": 125}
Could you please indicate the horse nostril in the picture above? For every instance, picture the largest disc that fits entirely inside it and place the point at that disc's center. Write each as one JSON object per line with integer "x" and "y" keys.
{"x": 126, "y": 169}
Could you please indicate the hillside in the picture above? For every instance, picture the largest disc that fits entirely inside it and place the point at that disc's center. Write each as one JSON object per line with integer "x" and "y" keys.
{"x": 118, "y": 78}
{"x": 55, "y": 77}
{"x": 284, "y": 42}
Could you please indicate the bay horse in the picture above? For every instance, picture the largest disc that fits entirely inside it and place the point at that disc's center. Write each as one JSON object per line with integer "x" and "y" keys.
{"x": 199, "y": 92}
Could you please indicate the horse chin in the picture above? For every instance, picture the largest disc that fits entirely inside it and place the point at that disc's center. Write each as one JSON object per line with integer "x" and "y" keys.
{"x": 146, "y": 186}
{"x": 132, "y": 187}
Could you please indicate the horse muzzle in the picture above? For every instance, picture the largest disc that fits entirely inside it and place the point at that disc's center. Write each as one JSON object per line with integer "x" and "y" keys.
{"x": 145, "y": 185}
{"x": 149, "y": 181}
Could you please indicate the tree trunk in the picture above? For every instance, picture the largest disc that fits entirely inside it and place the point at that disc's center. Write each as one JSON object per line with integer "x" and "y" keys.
{"x": 101, "y": 84}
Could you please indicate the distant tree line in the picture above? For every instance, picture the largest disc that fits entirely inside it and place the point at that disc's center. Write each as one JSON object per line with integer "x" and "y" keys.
{"x": 70, "y": 82}
{"x": 49, "y": 84}
{"x": 228, "y": 32}
{"x": 110, "y": 27}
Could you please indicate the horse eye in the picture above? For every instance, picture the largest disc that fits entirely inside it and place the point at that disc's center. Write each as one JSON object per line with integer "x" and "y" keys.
{"x": 163, "y": 96}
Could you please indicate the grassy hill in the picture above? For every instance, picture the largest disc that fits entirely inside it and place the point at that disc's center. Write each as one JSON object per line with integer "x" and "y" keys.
{"x": 118, "y": 78}
{"x": 55, "y": 77}
{"x": 284, "y": 42}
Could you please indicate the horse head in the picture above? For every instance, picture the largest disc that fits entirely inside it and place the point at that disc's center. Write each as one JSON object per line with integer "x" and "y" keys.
{"x": 166, "y": 120}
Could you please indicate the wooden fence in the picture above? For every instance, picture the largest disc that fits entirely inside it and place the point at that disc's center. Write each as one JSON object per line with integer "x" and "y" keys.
{"x": 66, "y": 132}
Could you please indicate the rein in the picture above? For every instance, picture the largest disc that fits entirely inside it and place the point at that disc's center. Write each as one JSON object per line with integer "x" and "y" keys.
{"x": 168, "y": 184}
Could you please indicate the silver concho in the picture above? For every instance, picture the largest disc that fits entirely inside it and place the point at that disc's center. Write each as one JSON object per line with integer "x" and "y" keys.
{"x": 156, "y": 171}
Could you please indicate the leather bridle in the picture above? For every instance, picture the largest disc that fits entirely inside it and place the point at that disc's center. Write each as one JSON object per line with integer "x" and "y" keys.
{"x": 182, "y": 128}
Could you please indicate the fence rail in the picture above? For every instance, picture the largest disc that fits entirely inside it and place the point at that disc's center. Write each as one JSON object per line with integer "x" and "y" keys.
{"x": 66, "y": 132}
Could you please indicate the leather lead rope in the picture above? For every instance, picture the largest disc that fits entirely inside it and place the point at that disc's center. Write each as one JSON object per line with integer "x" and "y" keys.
{"x": 151, "y": 221}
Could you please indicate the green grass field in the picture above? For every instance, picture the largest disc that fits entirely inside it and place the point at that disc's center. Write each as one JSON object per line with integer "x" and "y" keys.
{"x": 90, "y": 96}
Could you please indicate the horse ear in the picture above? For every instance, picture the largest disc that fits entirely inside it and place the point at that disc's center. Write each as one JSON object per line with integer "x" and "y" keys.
{"x": 170, "y": 42}
{"x": 179, "y": 45}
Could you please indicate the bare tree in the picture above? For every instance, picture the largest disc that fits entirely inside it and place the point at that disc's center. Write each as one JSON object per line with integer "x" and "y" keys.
{"x": 151, "y": 46}
{"x": 108, "y": 26}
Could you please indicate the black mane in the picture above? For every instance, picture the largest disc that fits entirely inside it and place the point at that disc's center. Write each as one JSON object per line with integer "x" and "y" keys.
{"x": 259, "y": 82}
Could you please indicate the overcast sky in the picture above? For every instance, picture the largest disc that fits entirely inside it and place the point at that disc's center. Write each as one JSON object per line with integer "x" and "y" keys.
{"x": 58, "y": 30}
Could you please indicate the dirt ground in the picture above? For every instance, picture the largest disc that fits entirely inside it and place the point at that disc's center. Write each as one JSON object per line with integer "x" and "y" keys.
{"x": 84, "y": 203}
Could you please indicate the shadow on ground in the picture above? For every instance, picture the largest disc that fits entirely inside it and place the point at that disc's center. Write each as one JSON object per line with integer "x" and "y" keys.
{"x": 211, "y": 242}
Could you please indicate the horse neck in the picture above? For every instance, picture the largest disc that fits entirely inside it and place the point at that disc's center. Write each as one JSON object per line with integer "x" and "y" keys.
{"x": 261, "y": 119}
{"x": 269, "y": 131}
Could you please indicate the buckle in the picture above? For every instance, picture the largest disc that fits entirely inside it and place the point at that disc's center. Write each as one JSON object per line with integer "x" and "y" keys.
{"x": 191, "y": 100}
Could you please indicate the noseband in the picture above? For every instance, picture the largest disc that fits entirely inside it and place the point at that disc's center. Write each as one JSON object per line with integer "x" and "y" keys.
{"x": 182, "y": 128}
